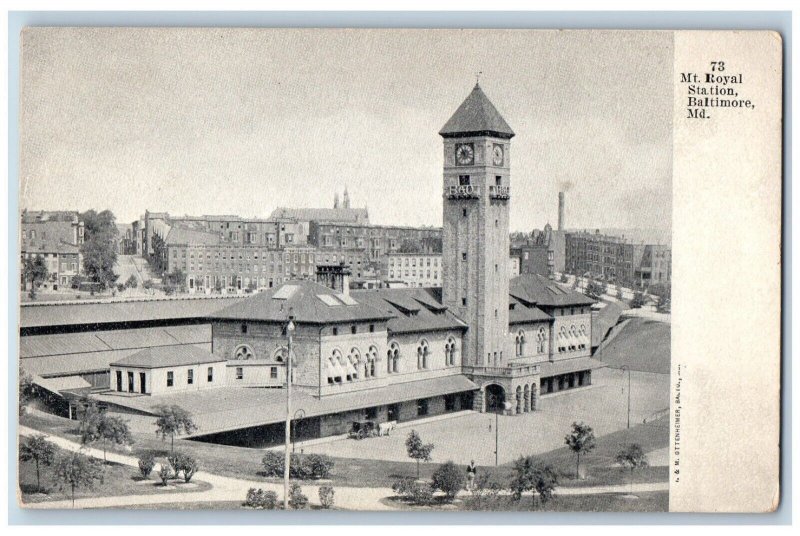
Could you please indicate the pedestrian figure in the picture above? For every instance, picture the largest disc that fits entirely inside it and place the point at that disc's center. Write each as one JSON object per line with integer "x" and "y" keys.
{"x": 471, "y": 470}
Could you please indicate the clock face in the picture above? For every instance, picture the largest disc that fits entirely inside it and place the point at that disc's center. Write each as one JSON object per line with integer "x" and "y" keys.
{"x": 497, "y": 155}
{"x": 465, "y": 154}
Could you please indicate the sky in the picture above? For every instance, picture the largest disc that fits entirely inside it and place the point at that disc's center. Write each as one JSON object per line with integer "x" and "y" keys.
{"x": 241, "y": 121}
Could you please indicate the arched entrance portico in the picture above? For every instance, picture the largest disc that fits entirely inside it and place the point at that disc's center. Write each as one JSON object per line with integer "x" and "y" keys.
{"x": 494, "y": 398}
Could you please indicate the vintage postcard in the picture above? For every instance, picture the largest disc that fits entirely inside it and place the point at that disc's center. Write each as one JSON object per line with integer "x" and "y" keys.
{"x": 399, "y": 270}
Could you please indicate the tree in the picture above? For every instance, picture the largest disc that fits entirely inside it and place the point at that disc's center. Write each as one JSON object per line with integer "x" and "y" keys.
{"x": 580, "y": 441}
{"x": 449, "y": 479}
{"x": 40, "y": 451}
{"x": 25, "y": 389}
{"x": 75, "y": 470}
{"x": 531, "y": 474}
{"x": 34, "y": 270}
{"x": 632, "y": 457}
{"x": 417, "y": 450}
{"x": 637, "y": 301}
{"x": 99, "y": 247}
{"x": 113, "y": 430}
{"x": 90, "y": 417}
{"x": 132, "y": 282}
{"x": 173, "y": 420}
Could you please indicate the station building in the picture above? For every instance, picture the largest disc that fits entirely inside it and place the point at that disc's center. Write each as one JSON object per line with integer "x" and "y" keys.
{"x": 483, "y": 341}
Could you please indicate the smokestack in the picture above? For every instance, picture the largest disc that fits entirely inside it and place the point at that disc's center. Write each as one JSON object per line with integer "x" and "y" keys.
{"x": 560, "y": 211}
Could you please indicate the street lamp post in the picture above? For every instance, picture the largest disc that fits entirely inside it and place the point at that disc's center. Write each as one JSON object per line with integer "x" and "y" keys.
{"x": 493, "y": 401}
{"x": 299, "y": 414}
{"x": 624, "y": 368}
{"x": 289, "y": 331}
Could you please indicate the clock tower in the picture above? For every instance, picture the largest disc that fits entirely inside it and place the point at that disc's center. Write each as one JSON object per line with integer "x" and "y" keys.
{"x": 475, "y": 241}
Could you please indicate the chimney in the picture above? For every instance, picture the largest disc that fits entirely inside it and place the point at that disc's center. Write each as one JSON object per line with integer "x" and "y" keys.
{"x": 560, "y": 211}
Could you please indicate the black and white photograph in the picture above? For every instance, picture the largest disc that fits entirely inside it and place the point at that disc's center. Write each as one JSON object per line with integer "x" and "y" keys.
{"x": 352, "y": 269}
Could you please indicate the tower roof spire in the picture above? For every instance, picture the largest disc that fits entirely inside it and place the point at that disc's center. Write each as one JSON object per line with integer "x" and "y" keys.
{"x": 476, "y": 115}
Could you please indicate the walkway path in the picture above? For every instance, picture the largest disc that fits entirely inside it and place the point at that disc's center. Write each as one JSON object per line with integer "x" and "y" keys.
{"x": 234, "y": 489}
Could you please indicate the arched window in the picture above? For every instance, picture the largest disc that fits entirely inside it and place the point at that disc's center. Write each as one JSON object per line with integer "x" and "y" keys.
{"x": 422, "y": 354}
{"x": 370, "y": 361}
{"x": 393, "y": 358}
{"x": 279, "y": 355}
{"x": 353, "y": 364}
{"x": 335, "y": 372}
{"x": 562, "y": 339}
{"x": 450, "y": 352}
{"x": 244, "y": 351}
{"x": 541, "y": 340}
{"x": 573, "y": 338}
{"x": 520, "y": 343}
{"x": 584, "y": 337}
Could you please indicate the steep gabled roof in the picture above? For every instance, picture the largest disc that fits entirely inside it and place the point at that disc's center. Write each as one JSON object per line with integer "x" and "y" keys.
{"x": 476, "y": 115}
{"x": 309, "y": 302}
{"x": 412, "y": 310}
{"x": 538, "y": 290}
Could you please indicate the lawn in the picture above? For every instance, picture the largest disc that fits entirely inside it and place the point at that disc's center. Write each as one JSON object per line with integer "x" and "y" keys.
{"x": 642, "y": 344}
{"x": 603, "y": 502}
{"x": 117, "y": 480}
{"x": 240, "y": 462}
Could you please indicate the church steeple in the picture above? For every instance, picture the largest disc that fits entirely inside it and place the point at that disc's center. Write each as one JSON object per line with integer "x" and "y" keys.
{"x": 346, "y": 198}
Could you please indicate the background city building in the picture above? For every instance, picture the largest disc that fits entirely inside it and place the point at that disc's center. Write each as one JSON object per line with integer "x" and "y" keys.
{"x": 57, "y": 237}
{"x": 616, "y": 259}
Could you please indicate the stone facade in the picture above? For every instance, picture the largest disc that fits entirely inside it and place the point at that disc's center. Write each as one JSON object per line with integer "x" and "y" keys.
{"x": 476, "y": 245}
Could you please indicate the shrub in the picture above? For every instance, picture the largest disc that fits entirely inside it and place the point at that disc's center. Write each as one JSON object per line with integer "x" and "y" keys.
{"x": 326, "y": 496}
{"x": 189, "y": 466}
{"x": 146, "y": 463}
{"x": 311, "y": 466}
{"x": 273, "y": 463}
{"x": 182, "y": 462}
{"x": 165, "y": 474}
{"x": 258, "y": 498}
{"x": 319, "y": 465}
{"x": 404, "y": 487}
{"x": 297, "y": 500}
{"x": 132, "y": 282}
{"x": 423, "y": 494}
{"x": 449, "y": 479}
{"x": 413, "y": 491}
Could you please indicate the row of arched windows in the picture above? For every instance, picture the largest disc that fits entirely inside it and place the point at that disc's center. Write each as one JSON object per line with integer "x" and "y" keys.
{"x": 423, "y": 355}
{"x": 353, "y": 367}
{"x": 520, "y": 342}
{"x": 573, "y": 338}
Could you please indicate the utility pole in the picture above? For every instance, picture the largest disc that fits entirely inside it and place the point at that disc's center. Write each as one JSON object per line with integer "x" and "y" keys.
{"x": 289, "y": 331}
{"x": 624, "y": 368}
